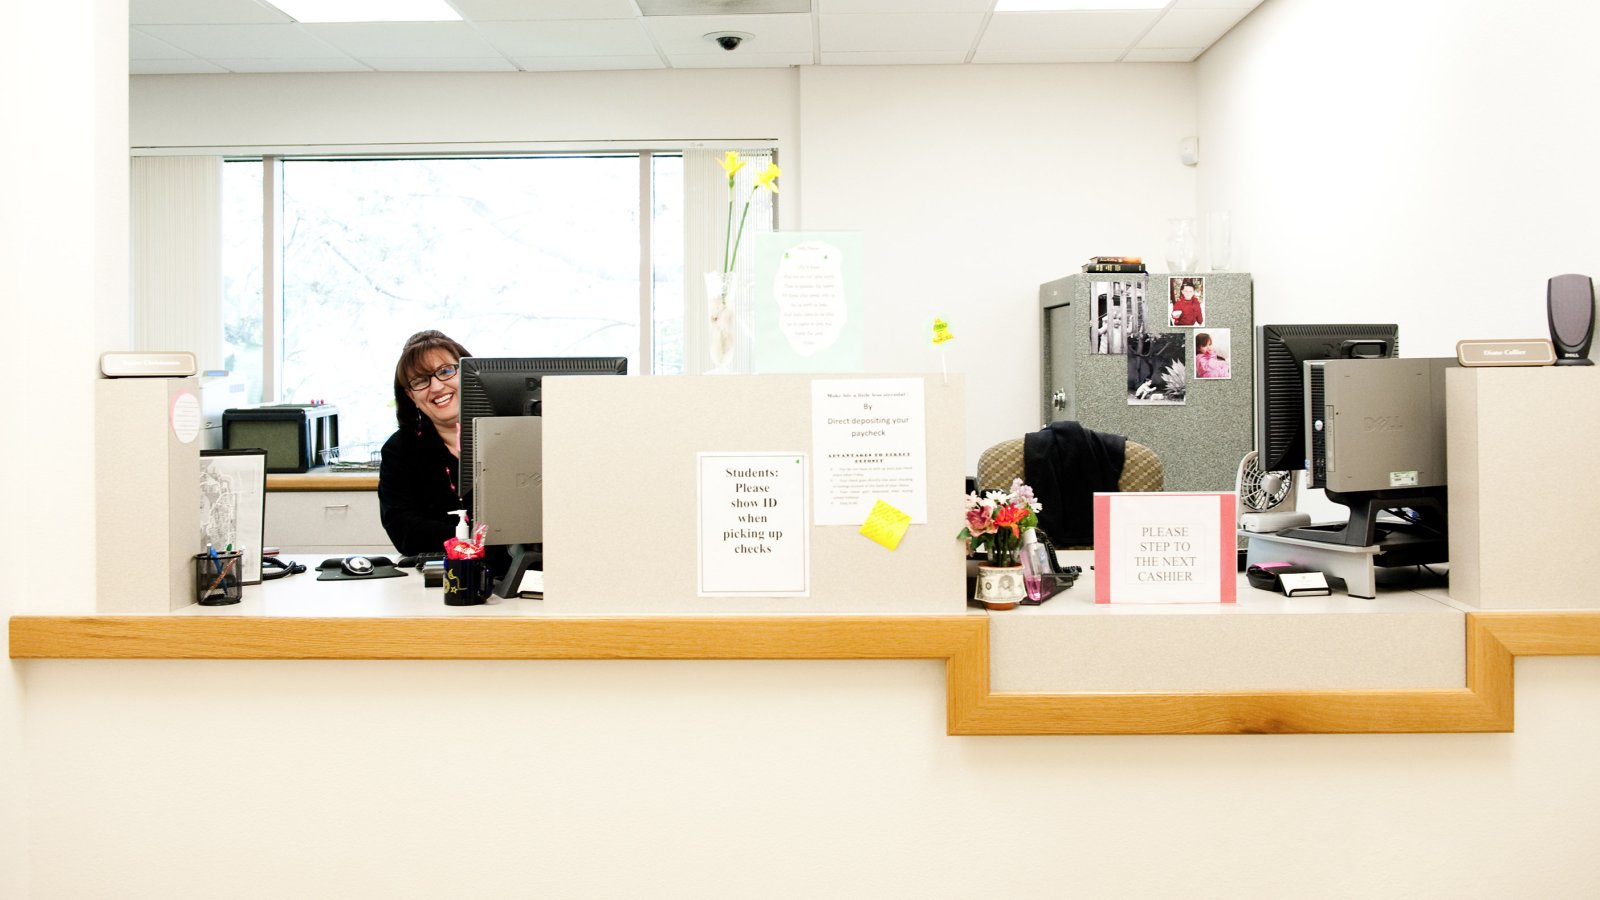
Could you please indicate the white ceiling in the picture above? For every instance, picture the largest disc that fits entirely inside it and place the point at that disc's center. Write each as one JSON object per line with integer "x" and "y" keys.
{"x": 173, "y": 37}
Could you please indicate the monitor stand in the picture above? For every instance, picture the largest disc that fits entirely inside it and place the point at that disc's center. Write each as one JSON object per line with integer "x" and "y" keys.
{"x": 1355, "y": 566}
{"x": 523, "y": 558}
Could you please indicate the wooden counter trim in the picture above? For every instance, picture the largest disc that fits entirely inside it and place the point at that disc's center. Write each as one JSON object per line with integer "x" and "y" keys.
{"x": 1493, "y": 640}
{"x": 323, "y": 481}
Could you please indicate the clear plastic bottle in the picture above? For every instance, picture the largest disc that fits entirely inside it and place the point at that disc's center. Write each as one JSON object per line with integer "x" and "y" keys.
{"x": 1035, "y": 565}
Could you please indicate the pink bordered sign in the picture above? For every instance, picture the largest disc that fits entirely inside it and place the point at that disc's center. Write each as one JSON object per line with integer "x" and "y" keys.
{"x": 1165, "y": 548}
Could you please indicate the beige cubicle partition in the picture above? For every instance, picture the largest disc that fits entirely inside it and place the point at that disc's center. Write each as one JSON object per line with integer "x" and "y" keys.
{"x": 1524, "y": 503}
{"x": 620, "y": 498}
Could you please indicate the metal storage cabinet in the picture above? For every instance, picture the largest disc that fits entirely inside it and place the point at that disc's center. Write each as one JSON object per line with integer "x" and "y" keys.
{"x": 1200, "y": 442}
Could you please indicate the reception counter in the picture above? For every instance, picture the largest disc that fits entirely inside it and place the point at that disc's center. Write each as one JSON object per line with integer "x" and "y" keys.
{"x": 1407, "y": 662}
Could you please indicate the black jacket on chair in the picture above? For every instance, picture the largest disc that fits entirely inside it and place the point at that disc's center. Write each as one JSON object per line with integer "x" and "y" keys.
{"x": 1066, "y": 464}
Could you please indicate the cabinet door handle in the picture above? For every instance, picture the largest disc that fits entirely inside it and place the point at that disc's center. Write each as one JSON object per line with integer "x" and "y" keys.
{"x": 330, "y": 506}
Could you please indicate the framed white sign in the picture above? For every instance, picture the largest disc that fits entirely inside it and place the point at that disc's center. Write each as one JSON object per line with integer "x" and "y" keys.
{"x": 1165, "y": 548}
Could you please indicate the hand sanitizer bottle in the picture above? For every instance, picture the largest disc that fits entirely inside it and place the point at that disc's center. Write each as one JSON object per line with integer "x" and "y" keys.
{"x": 1035, "y": 565}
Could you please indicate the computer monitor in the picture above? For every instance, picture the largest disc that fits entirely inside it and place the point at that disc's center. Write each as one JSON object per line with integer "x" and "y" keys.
{"x": 1376, "y": 443}
{"x": 1297, "y": 368}
{"x": 1281, "y": 354}
{"x": 503, "y": 476}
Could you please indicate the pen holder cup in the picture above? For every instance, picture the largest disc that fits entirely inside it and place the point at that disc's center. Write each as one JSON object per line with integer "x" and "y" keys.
{"x": 467, "y": 582}
{"x": 216, "y": 579}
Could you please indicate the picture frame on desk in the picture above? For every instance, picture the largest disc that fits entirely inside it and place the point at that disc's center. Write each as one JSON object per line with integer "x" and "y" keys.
{"x": 233, "y": 505}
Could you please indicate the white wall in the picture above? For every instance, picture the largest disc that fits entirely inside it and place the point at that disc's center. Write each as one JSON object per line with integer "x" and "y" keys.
{"x": 972, "y": 185}
{"x": 799, "y": 779}
{"x": 63, "y": 289}
{"x": 1427, "y": 163}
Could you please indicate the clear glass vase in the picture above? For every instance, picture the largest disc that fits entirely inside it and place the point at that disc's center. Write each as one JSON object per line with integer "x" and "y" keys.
{"x": 727, "y": 322}
{"x": 1183, "y": 245}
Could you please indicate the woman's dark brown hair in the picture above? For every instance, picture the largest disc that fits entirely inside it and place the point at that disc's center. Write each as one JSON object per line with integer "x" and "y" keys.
{"x": 410, "y": 366}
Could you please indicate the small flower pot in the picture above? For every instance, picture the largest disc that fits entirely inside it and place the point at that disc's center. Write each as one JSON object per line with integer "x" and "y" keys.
{"x": 1000, "y": 587}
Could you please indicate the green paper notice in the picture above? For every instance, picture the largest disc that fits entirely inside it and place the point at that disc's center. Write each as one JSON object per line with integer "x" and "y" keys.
{"x": 808, "y": 302}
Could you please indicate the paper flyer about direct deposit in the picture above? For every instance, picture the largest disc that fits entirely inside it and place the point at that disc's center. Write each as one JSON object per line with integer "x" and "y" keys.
{"x": 868, "y": 443}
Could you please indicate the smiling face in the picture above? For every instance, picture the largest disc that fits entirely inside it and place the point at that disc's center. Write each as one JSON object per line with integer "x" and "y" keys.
{"x": 1187, "y": 291}
{"x": 439, "y": 400}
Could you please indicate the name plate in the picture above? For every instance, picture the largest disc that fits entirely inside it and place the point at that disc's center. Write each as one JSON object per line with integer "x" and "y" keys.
{"x": 1165, "y": 548}
{"x": 1531, "y": 352}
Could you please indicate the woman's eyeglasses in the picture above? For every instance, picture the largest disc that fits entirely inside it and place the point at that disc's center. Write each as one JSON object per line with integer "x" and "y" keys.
{"x": 443, "y": 373}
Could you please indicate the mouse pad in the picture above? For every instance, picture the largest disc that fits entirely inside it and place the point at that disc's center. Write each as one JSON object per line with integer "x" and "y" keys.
{"x": 333, "y": 570}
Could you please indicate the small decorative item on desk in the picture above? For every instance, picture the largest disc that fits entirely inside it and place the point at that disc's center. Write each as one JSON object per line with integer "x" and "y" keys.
{"x": 216, "y": 577}
{"x": 995, "y": 522}
{"x": 728, "y": 302}
{"x": 466, "y": 573}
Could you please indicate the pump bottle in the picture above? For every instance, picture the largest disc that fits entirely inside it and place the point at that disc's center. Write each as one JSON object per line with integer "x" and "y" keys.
{"x": 1036, "y": 565}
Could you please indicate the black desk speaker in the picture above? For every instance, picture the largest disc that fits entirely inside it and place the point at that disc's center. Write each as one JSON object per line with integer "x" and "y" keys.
{"x": 1571, "y": 302}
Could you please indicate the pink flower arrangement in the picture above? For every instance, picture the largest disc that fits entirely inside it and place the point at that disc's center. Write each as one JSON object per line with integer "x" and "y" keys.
{"x": 995, "y": 521}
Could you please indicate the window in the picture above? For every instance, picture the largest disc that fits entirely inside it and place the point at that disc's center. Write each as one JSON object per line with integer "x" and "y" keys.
{"x": 511, "y": 256}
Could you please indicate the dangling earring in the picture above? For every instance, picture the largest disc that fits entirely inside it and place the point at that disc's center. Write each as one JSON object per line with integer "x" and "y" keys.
{"x": 419, "y": 423}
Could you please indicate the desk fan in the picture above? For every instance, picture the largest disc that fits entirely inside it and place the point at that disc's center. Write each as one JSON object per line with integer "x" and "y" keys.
{"x": 1266, "y": 499}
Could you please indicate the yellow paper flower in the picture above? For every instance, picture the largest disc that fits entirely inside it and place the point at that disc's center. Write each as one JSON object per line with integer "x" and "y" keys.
{"x": 769, "y": 178}
{"x": 941, "y": 332}
{"x": 731, "y": 163}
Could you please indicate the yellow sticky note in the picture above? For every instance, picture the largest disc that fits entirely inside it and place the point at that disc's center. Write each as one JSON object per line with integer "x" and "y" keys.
{"x": 941, "y": 331}
{"x": 885, "y": 524}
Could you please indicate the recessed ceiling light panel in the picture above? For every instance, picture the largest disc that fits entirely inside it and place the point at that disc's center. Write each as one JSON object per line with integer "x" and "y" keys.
{"x": 368, "y": 10}
{"x": 1077, "y": 5}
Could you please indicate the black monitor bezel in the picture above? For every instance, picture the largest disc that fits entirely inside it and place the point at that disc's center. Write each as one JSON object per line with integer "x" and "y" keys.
{"x": 482, "y": 398}
{"x": 1281, "y": 353}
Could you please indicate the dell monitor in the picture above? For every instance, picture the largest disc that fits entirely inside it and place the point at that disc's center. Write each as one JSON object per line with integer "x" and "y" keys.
{"x": 1368, "y": 427}
{"x": 1281, "y": 354}
{"x": 501, "y": 470}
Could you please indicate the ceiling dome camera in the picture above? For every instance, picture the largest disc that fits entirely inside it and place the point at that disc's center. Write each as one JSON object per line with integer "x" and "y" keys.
{"x": 729, "y": 40}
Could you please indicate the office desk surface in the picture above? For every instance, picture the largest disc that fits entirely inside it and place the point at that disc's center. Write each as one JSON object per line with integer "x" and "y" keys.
{"x": 324, "y": 479}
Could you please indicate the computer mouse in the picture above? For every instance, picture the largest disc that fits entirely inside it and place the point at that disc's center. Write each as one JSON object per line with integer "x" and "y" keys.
{"x": 356, "y": 565}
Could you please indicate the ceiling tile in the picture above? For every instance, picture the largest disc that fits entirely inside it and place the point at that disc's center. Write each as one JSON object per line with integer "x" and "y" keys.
{"x": 404, "y": 40}
{"x": 1181, "y": 54}
{"x": 242, "y": 41}
{"x": 1216, "y": 4}
{"x": 740, "y": 60}
{"x": 858, "y": 7}
{"x": 202, "y": 12}
{"x": 1059, "y": 55}
{"x": 912, "y": 58}
{"x": 582, "y": 63}
{"x": 434, "y": 64}
{"x": 530, "y": 10}
{"x": 190, "y": 66}
{"x": 773, "y": 34}
{"x": 143, "y": 46}
{"x": 263, "y": 66}
{"x": 1192, "y": 27}
{"x": 1065, "y": 30}
{"x": 602, "y": 37}
{"x": 877, "y": 32}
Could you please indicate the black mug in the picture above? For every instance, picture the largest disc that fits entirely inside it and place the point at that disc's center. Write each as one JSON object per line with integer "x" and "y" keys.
{"x": 467, "y": 582}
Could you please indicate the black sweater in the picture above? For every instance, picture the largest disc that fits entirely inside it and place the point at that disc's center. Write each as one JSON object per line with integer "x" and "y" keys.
{"x": 417, "y": 490}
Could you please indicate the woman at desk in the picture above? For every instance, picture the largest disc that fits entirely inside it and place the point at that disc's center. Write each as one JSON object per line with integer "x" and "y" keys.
{"x": 417, "y": 476}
